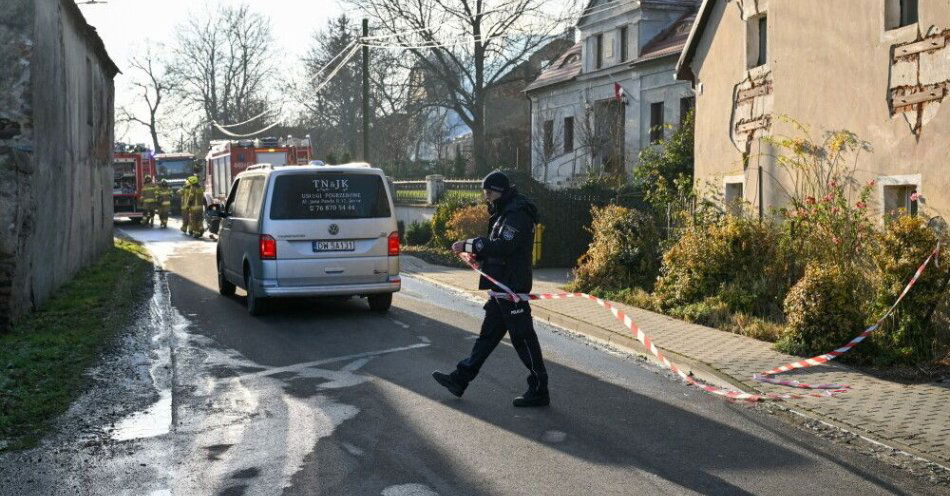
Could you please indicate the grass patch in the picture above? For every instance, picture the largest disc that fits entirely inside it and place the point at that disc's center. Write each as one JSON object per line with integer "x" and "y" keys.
{"x": 437, "y": 256}
{"x": 43, "y": 358}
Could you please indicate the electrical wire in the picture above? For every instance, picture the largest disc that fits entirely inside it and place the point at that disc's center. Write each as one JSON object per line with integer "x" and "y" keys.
{"x": 258, "y": 116}
{"x": 248, "y": 135}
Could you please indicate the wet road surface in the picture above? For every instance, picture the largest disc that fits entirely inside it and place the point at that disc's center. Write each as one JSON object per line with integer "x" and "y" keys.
{"x": 326, "y": 397}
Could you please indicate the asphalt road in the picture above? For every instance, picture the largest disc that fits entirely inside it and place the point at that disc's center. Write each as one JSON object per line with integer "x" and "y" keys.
{"x": 326, "y": 397}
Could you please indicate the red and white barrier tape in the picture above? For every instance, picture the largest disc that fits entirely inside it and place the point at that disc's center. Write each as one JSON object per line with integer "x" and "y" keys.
{"x": 827, "y": 390}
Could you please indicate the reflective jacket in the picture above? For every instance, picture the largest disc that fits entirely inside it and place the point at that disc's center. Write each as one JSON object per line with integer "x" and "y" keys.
{"x": 505, "y": 253}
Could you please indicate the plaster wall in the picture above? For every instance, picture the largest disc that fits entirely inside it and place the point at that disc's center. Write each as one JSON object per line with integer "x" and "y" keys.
{"x": 59, "y": 217}
{"x": 832, "y": 68}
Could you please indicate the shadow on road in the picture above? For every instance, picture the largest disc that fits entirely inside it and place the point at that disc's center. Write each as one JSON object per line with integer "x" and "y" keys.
{"x": 606, "y": 425}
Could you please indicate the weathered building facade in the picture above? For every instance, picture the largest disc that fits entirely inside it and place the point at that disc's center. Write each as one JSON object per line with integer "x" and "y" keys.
{"x": 598, "y": 105}
{"x": 877, "y": 68}
{"x": 56, "y": 134}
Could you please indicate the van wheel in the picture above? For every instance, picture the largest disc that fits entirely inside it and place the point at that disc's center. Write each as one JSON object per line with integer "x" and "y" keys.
{"x": 380, "y": 303}
{"x": 225, "y": 287}
{"x": 255, "y": 304}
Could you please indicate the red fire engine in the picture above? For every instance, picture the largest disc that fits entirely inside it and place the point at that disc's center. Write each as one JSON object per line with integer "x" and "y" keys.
{"x": 130, "y": 165}
{"x": 228, "y": 158}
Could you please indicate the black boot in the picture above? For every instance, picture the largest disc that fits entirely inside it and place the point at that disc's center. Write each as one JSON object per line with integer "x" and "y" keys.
{"x": 449, "y": 382}
{"x": 532, "y": 398}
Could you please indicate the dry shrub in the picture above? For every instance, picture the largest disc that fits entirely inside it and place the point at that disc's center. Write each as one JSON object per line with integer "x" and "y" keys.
{"x": 468, "y": 222}
{"x": 623, "y": 253}
{"x": 909, "y": 335}
{"x": 824, "y": 310}
{"x": 739, "y": 261}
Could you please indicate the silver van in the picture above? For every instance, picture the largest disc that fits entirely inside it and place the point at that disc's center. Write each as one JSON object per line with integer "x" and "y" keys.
{"x": 302, "y": 231}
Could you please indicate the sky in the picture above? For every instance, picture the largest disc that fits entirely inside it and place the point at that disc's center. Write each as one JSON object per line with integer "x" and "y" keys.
{"x": 126, "y": 26}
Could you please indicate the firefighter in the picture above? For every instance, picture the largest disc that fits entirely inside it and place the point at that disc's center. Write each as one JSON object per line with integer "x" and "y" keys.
{"x": 148, "y": 201}
{"x": 164, "y": 197}
{"x": 185, "y": 194}
{"x": 505, "y": 255}
{"x": 196, "y": 209}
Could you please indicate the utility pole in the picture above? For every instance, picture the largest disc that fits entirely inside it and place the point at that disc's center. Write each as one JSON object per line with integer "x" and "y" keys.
{"x": 365, "y": 93}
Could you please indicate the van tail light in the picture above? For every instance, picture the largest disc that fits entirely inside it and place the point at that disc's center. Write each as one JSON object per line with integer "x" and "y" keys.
{"x": 268, "y": 247}
{"x": 394, "y": 243}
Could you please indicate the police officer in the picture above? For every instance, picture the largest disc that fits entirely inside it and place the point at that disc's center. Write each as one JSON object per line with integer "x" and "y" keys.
{"x": 164, "y": 197}
{"x": 505, "y": 254}
{"x": 195, "y": 208}
{"x": 148, "y": 200}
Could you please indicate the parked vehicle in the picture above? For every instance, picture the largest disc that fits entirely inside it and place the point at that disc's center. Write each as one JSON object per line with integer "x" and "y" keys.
{"x": 303, "y": 231}
{"x": 130, "y": 165}
{"x": 228, "y": 158}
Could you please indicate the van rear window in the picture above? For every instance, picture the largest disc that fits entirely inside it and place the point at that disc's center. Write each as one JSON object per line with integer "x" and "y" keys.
{"x": 329, "y": 196}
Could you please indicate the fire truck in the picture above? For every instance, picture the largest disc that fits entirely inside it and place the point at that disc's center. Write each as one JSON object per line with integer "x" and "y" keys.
{"x": 228, "y": 158}
{"x": 130, "y": 165}
{"x": 174, "y": 168}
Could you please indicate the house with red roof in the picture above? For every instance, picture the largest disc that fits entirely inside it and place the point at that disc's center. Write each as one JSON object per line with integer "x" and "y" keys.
{"x": 611, "y": 94}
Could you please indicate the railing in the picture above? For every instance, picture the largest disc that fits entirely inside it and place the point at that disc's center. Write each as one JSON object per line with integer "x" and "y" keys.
{"x": 410, "y": 192}
{"x": 430, "y": 191}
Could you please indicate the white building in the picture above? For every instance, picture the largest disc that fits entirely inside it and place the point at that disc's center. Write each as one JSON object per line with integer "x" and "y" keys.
{"x": 609, "y": 95}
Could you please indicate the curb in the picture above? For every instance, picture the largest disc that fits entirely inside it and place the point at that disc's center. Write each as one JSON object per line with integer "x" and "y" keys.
{"x": 623, "y": 343}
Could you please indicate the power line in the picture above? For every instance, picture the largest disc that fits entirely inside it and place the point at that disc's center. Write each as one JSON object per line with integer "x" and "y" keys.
{"x": 248, "y": 135}
{"x": 258, "y": 116}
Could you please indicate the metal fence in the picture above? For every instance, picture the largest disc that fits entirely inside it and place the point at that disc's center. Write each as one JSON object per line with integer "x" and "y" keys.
{"x": 410, "y": 192}
{"x": 566, "y": 219}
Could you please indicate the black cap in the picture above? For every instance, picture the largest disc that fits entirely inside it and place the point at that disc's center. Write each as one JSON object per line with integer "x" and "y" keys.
{"x": 496, "y": 181}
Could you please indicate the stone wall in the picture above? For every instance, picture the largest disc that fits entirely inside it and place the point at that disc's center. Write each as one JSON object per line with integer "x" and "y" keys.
{"x": 56, "y": 133}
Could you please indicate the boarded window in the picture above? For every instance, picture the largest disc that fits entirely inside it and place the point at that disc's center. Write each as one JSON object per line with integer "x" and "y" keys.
{"x": 656, "y": 122}
{"x": 623, "y": 44}
{"x": 568, "y": 134}
{"x": 548, "y": 137}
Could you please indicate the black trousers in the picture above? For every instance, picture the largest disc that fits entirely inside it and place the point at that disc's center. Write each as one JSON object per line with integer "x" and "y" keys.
{"x": 515, "y": 318}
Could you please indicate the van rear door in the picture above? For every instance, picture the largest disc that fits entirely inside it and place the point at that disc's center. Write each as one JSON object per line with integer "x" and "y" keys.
{"x": 331, "y": 227}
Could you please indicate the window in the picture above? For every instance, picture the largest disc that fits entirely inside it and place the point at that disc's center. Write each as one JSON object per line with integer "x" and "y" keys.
{"x": 656, "y": 122}
{"x": 255, "y": 197}
{"x": 900, "y": 13}
{"x": 329, "y": 196}
{"x": 623, "y": 44}
{"x": 900, "y": 196}
{"x": 758, "y": 43}
{"x": 733, "y": 197}
{"x": 686, "y": 106}
{"x": 599, "y": 51}
{"x": 568, "y": 134}
{"x": 548, "y": 137}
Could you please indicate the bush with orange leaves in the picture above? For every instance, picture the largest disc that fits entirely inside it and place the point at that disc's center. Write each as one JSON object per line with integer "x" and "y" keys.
{"x": 468, "y": 222}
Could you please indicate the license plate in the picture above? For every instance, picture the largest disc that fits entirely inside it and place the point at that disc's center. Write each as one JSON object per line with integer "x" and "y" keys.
{"x": 334, "y": 245}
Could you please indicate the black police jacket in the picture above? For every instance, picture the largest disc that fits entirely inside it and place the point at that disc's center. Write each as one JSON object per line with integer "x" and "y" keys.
{"x": 505, "y": 253}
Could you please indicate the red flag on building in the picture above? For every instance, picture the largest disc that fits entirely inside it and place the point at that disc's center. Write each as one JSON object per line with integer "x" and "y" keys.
{"x": 618, "y": 92}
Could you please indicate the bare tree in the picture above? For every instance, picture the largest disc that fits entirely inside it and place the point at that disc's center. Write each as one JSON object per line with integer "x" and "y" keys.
{"x": 465, "y": 46}
{"x": 222, "y": 59}
{"x": 601, "y": 137}
{"x": 153, "y": 82}
{"x": 549, "y": 144}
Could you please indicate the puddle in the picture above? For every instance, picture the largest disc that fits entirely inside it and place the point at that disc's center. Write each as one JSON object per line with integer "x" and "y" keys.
{"x": 155, "y": 421}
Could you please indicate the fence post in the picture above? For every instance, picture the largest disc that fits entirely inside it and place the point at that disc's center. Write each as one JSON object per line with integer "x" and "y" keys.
{"x": 435, "y": 187}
